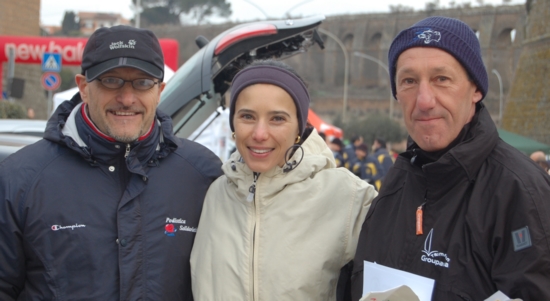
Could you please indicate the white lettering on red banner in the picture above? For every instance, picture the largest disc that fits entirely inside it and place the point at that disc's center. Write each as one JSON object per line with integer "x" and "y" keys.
{"x": 24, "y": 52}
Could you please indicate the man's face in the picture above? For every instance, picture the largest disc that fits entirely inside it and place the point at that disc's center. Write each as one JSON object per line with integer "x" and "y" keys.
{"x": 436, "y": 96}
{"x": 360, "y": 154}
{"x": 375, "y": 146}
{"x": 124, "y": 114}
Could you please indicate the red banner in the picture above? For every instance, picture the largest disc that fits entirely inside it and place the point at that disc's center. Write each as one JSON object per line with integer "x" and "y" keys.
{"x": 29, "y": 50}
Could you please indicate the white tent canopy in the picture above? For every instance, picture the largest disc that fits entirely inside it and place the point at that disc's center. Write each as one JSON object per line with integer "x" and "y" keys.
{"x": 60, "y": 97}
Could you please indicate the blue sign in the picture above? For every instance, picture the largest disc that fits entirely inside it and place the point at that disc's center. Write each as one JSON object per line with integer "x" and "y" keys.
{"x": 51, "y": 62}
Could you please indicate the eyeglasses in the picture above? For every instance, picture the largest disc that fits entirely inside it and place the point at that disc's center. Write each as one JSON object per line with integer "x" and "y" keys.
{"x": 140, "y": 84}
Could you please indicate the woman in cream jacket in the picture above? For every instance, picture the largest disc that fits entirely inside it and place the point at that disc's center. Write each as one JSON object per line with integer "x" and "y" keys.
{"x": 283, "y": 220}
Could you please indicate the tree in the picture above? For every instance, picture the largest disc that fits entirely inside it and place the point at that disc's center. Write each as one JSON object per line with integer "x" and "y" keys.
{"x": 480, "y": 2}
{"x": 70, "y": 26}
{"x": 173, "y": 9}
{"x": 158, "y": 15}
{"x": 67, "y": 79}
{"x": 12, "y": 110}
{"x": 399, "y": 8}
{"x": 432, "y": 6}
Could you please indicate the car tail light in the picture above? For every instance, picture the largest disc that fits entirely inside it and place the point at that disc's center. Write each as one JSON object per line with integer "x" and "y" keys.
{"x": 243, "y": 33}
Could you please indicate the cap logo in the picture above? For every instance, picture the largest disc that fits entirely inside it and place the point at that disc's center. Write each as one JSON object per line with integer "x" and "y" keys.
{"x": 117, "y": 45}
{"x": 428, "y": 36}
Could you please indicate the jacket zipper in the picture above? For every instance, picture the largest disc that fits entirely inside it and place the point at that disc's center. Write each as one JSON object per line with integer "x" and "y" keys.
{"x": 419, "y": 219}
{"x": 127, "y": 151}
{"x": 251, "y": 198}
{"x": 251, "y": 190}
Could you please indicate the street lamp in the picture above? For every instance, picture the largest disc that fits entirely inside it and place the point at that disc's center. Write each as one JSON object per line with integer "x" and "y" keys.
{"x": 346, "y": 69}
{"x": 500, "y": 96}
{"x": 379, "y": 62}
{"x": 137, "y": 13}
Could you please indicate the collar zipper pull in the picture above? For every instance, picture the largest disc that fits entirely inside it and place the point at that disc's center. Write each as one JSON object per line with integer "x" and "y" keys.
{"x": 419, "y": 219}
{"x": 127, "y": 151}
{"x": 252, "y": 189}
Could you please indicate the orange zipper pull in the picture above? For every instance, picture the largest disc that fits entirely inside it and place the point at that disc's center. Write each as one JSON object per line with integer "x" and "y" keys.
{"x": 419, "y": 219}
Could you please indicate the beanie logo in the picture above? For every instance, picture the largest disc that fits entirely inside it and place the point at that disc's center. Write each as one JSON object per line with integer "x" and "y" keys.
{"x": 117, "y": 45}
{"x": 428, "y": 36}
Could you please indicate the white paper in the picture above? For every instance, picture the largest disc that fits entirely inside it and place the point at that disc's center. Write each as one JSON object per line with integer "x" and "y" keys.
{"x": 402, "y": 293}
{"x": 379, "y": 278}
{"x": 500, "y": 296}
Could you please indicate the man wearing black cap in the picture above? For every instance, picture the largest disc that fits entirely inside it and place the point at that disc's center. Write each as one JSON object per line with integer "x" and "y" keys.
{"x": 460, "y": 206}
{"x": 106, "y": 206}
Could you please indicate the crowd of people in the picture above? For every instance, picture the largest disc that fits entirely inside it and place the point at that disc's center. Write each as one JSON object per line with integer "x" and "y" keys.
{"x": 110, "y": 205}
{"x": 369, "y": 165}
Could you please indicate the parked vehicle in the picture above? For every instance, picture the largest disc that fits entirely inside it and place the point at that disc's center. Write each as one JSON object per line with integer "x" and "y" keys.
{"x": 198, "y": 87}
{"x": 23, "y": 127}
{"x": 17, "y": 133}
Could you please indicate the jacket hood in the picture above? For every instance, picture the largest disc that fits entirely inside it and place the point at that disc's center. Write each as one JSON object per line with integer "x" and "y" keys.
{"x": 317, "y": 157}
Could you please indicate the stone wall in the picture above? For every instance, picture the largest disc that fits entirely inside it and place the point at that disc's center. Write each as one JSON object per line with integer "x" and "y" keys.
{"x": 371, "y": 34}
{"x": 528, "y": 109}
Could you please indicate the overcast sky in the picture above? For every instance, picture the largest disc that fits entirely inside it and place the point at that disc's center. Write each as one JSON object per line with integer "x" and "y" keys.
{"x": 52, "y": 11}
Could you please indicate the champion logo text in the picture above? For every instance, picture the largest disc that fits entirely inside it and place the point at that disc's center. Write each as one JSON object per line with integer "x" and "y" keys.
{"x": 71, "y": 227}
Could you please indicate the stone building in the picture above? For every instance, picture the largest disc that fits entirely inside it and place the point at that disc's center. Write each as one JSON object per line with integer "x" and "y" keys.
{"x": 500, "y": 30}
{"x": 528, "y": 108}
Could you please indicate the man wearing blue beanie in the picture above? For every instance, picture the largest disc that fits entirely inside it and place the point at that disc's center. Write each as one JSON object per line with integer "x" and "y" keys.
{"x": 459, "y": 206}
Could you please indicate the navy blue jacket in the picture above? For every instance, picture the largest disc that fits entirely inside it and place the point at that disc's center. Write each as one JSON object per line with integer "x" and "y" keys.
{"x": 80, "y": 221}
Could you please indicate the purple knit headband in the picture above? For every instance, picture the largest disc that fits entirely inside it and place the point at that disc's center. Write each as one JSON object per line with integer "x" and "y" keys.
{"x": 267, "y": 74}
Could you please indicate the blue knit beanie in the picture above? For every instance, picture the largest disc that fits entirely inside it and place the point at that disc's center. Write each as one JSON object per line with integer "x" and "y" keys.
{"x": 450, "y": 35}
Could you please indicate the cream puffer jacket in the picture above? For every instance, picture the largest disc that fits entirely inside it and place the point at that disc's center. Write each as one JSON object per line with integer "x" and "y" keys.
{"x": 286, "y": 242}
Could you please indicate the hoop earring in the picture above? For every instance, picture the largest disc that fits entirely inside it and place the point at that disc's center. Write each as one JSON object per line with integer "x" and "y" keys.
{"x": 233, "y": 135}
{"x": 297, "y": 140}
{"x": 291, "y": 165}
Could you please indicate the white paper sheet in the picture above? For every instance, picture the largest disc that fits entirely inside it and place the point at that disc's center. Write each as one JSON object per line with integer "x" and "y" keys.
{"x": 500, "y": 296}
{"x": 379, "y": 278}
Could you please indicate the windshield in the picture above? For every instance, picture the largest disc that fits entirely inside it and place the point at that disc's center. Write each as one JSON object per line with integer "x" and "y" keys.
{"x": 179, "y": 77}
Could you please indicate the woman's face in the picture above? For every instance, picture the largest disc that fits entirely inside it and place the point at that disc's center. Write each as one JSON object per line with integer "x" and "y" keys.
{"x": 266, "y": 126}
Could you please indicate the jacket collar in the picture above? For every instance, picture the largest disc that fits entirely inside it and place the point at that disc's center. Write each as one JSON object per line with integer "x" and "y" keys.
{"x": 68, "y": 127}
{"x": 469, "y": 153}
{"x": 317, "y": 157}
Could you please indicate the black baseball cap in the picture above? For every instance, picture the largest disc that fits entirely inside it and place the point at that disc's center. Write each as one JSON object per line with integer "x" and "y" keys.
{"x": 122, "y": 46}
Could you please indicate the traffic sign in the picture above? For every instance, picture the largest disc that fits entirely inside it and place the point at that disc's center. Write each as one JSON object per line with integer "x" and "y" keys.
{"x": 51, "y": 62}
{"x": 50, "y": 81}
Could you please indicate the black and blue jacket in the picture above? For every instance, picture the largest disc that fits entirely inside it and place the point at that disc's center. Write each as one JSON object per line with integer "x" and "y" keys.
{"x": 84, "y": 218}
